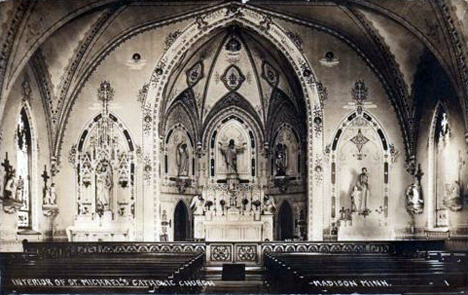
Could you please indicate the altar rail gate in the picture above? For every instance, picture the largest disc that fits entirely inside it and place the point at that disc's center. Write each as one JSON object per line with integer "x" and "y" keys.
{"x": 225, "y": 252}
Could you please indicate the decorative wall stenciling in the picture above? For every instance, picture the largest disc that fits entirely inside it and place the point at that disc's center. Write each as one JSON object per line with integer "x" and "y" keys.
{"x": 170, "y": 39}
{"x": 359, "y": 140}
{"x": 142, "y": 93}
{"x": 360, "y": 150}
{"x": 233, "y": 78}
{"x": 270, "y": 74}
{"x": 194, "y": 74}
{"x": 26, "y": 88}
{"x": 296, "y": 39}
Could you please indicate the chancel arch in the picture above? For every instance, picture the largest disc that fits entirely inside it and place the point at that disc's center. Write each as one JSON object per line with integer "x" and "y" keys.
{"x": 252, "y": 21}
{"x": 360, "y": 168}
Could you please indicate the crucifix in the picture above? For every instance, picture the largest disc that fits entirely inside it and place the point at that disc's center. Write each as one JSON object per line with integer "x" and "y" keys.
{"x": 6, "y": 165}
{"x": 46, "y": 177}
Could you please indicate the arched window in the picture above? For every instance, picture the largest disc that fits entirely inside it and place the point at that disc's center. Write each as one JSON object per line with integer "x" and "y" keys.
{"x": 23, "y": 139}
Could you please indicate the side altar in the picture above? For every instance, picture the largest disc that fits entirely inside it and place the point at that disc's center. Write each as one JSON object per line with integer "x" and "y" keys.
{"x": 233, "y": 211}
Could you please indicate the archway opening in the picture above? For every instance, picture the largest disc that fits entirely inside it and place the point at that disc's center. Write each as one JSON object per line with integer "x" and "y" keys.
{"x": 285, "y": 222}
{"x": 181, "y": 222}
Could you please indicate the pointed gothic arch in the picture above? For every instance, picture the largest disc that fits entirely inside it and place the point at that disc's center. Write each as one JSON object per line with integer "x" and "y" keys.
{"x": 26, "y": 167}
{"x": 264, "y": 26}
{"x": 285, "y": 228}
{"x": 438, "y": 159}
{"x": 181, "y": 222}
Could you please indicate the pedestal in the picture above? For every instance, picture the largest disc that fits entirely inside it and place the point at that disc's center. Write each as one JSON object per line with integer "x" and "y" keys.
{"x": 9, "y": 226}
{"x": 362, "y": 228}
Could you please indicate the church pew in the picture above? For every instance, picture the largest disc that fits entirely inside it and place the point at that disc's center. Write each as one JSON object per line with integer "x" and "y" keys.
{"x": 141, "y": 272}
{"x": 315, "y": 273}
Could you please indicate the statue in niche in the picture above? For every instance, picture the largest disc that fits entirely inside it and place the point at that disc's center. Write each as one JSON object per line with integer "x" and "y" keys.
{"x": 10, "y": 185}
{"x": 229, "y": 153}
{"x": 360, "y": 193}
{"x": 182, "y": 159}
{"x": 19, "y": 189}
{"x": 197, "y": 205}
{"x": 414, "y": 200}
{"x": 452, "y": 198}
{"x": 281, "y": 160}
{"x": 104, "y": 184}
{"x": 51, "y": 195}
{"x": 268, "y": 204}
{"x": 444, "y": 126}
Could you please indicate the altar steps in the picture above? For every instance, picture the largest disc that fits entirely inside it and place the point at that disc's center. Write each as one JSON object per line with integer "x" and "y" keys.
{"x": 253, "y": 283}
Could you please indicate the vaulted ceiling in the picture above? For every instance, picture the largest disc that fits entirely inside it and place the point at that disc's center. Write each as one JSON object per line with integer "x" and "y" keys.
{"x": 64, "y": 41}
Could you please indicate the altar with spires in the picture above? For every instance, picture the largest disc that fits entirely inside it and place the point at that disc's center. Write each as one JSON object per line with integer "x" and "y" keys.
{"x": 233, "y": 211}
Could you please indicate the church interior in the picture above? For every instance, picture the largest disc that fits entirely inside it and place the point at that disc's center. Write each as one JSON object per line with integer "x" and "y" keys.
{"x": 291, "y": 146}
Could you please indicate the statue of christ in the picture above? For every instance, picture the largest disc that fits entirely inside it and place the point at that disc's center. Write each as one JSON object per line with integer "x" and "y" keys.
{"x": 230, "y": 155}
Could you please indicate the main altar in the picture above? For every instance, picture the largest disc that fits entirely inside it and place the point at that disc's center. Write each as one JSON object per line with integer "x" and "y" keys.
{"x": 233, "y": 211}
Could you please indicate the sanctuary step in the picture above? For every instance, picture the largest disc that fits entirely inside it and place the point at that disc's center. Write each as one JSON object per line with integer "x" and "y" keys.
{"x": 365, "y": 273}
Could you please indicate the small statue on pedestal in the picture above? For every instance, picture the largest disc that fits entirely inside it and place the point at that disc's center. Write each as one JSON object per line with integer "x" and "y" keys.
{"x": 268, "y": 204}
{"x": 281, "y": 159}
{"x": 197, "y": 205}
{"x": 50, "y": 195}
{"x": 414, "y": 200}
{"x": 452, "y": 198}
{"x": 182, "y": 159}
{"x": 360, "y": 193}
{"x": 10, "y": 185}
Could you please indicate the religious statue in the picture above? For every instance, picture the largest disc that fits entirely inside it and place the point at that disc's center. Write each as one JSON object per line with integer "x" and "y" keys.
{"x": 182, "y": 159}
{"x": 360, "y": 193}
{"x": 452, "y": 196}
{"x": 197, "y": 205}
{"x": 281, "y": 159}
{"x": 10, "y": 185}
{"x": 50, "y": 196}
{"x": 230, "y": 155}
{"x": 444, "y": 126}
{"x": 414, "y": 200}
{"x": 104, "y": 184}
{"x": 20, "y": 189}
{"x": 268, "y": 204}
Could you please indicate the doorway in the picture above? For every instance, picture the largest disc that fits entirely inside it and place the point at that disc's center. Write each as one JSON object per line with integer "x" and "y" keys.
{"x": 181, "y": 222}
{"x": 285, "y": 222}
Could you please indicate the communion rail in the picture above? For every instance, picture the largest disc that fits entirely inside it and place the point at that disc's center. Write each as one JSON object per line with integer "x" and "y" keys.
{"x": 424, "y": 272}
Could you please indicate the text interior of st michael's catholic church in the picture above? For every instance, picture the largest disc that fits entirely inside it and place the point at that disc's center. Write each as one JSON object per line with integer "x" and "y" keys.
{"x": 234, "y": 146}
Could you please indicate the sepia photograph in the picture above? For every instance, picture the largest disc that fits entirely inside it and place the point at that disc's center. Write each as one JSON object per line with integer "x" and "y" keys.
{"x": 234, "y": 147}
